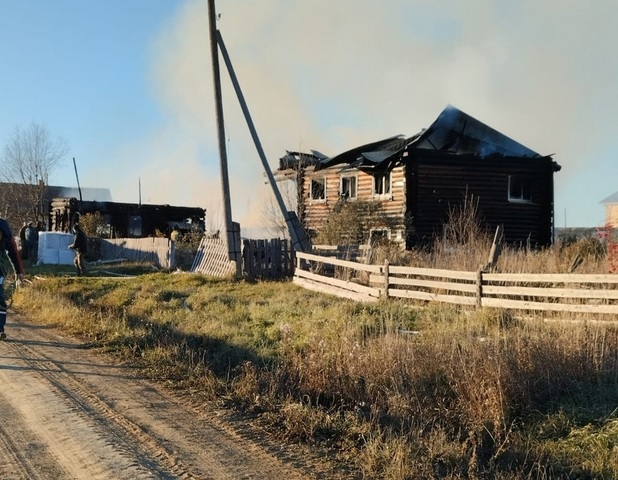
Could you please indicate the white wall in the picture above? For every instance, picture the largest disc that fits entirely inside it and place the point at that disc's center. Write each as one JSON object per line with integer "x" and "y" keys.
{"x": 54, "y": 248}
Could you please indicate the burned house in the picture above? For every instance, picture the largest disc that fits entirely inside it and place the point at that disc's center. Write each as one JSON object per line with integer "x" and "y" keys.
{"x": 418, "y": 181}
{"x": 127, "y": 220}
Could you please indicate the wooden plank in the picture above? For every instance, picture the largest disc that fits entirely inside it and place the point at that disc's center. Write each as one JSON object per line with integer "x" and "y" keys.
{"x": 340, "y": 248}
{"x": 338, "y": 283}
{"x": 431, "y": 272}
{"x": 416, "y": 282}
{"x": 433, "y": 297}
{"x": 275, "y": 258}
{"x": 545, "y": 306}
{"x": 550, "y": 292}
{"x": 260, "y": 263}
{"x": 339, "y": 263}
{"x": 287, "y": 257}
{"x": 332, "y": 290}
{"x": 577, "y": 278}
{"x": 248, "y": 258}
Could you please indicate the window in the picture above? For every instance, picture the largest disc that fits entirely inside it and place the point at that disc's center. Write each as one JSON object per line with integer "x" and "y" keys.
{"x": 348, "y": 187}
{"x": 382, "y": 184}
{"x": 135, "y": 226}
{"x": 379, "y": 236}
{"x": 318, "y": 189}
{"x": 520, "y": 189}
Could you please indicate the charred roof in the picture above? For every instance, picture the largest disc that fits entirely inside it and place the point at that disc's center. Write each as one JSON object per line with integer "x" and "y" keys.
{"x": 453, "y": 132}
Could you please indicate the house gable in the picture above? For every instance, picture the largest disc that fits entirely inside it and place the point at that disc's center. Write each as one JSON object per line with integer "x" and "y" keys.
{"x": 611, "y": 210}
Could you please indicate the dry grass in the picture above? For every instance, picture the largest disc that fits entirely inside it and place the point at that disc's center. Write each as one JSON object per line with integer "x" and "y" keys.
{"x": 396, "y": 391}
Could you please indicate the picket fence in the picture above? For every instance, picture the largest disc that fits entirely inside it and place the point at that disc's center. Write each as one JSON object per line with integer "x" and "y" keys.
{"x": 267, "y": 259}
{"x": 261, "y": 259}
{"x": 577, "y": 293}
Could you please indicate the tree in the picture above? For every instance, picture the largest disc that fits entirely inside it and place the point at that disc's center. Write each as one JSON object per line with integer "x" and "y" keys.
{"x": 30, "y": 157}
{"x": 274, "y": 223}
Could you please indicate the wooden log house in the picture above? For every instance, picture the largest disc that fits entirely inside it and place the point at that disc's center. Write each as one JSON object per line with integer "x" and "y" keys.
{"x": 418, "y": 181}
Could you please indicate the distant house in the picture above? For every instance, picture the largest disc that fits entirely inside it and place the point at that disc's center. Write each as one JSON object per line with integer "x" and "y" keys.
{"x": 127, "y": 220}
{"x": 58, "y": 208}
{"x": 417, "y": 181}
{"x": 611, "y": 210}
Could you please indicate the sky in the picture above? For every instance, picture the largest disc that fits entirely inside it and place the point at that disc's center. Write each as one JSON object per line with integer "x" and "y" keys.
{"x": 128, "y": 84}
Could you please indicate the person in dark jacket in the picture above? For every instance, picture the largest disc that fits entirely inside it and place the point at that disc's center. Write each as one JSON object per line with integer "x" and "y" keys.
{"x": 80, "y": 245}
{"x": 9, "y": 254}
{"x": 32, "y": 242}
{"x": 23, "y": 251}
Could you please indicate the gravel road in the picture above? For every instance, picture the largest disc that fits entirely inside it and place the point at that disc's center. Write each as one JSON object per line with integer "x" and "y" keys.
{"x": 69, "y": 413}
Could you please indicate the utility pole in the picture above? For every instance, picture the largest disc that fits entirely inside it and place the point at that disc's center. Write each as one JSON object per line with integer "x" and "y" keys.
{"x": 233, "y": 249}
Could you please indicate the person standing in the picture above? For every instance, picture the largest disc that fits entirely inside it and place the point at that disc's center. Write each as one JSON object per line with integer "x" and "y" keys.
{"x": 23, "y": 249}
{"x": 8, "y": 254}
{"x": 80, "y": 245}
{"x": 32, "y": 242}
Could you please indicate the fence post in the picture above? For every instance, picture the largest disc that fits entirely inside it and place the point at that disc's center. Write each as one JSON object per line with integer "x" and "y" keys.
{"x": 171, "y": 254}
{"x": 386, "y": 274}
{"x": 479, "y": 288}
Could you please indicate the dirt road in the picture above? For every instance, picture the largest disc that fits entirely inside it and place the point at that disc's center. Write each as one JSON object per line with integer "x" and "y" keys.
{"x": 68, "y": 413}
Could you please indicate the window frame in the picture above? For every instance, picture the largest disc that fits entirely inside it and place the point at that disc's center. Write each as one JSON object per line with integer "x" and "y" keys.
{"x": 317, "y": 180}
{"x": 524, "y": 189}
{"x": 381, "y": 177}
{"x": 348, "y": 177}
{"x": 379, "y": 233}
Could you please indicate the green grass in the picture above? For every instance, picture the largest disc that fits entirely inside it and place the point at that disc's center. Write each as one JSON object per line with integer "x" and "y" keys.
{"x": 396, "y": 391}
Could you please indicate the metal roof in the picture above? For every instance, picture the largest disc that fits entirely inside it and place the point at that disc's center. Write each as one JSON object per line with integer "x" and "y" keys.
{"x": 382, "y": 154}
{"x": 452, "y": 132}
{"x": 457, "y": 132}
{"x": 611, "y": 199}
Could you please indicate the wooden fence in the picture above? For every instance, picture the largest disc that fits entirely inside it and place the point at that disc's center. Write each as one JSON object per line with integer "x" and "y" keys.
{"x": 157, "y": 250}
{"x": 579, "y": 293}
{"x": 267, "y": 259}
{"x": 261, "y": 259}
{"x": 212, "y": 258}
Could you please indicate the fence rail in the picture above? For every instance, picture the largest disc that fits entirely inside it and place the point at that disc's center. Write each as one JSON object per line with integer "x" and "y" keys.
{"x": 578, "y": 293}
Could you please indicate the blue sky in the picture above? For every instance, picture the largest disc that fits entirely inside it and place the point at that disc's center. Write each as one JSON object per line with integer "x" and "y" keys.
{"x": 128, "y": 84}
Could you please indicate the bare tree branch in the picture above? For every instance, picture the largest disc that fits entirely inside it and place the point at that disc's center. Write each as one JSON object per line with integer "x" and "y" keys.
{"x": 30, "y": 156}
{"x": 274, "y": 223}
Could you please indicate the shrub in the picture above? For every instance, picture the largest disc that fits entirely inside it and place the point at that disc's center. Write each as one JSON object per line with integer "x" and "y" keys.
{"x": 352, "y": 222}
